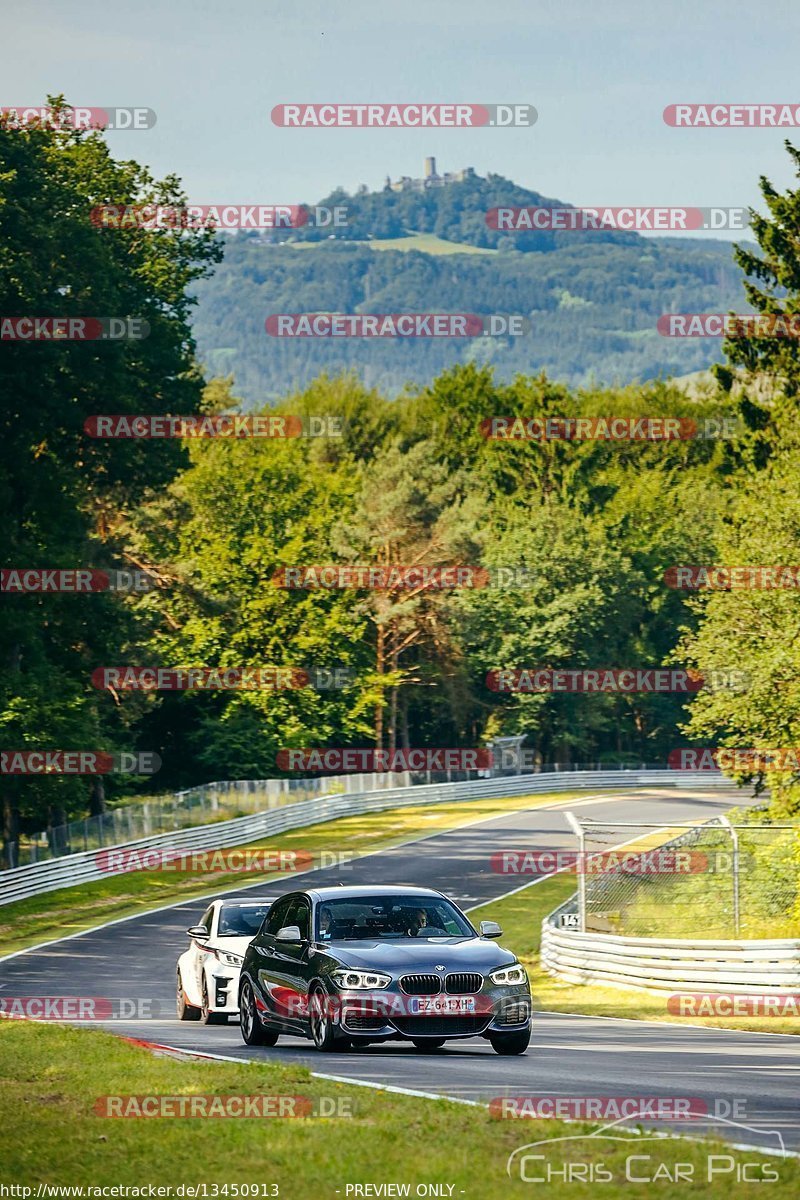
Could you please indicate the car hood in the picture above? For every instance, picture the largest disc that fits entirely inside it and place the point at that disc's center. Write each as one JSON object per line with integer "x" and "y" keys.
{"x": 235, "y": 945}
{"x": 422, "y": 954}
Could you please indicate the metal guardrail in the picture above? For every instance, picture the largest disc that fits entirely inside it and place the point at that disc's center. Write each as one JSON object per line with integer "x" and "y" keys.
{"x": 670, "y": 964}
{"x": 202, "y": 805}
{"x": 207, "y": 803}
{"x": 661, "y": 964}
{"x": 84, "y": 867}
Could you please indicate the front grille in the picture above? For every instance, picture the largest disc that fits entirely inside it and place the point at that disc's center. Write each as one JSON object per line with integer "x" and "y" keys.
{"x": 421, "y": 985}
{"x": 463, "y": 983}
{"x": 513, "y": 1012}
{"x": 363, "y": 1024}
{"x": 442, "y": 1026}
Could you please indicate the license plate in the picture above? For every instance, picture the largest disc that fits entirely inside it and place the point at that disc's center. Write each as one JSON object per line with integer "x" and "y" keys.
{"x": 441, "y": 1005}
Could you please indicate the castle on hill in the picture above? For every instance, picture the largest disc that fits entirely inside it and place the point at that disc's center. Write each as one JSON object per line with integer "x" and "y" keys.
{"x": 430, "y": 179}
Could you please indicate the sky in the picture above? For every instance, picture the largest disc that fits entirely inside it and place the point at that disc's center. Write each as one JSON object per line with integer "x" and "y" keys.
{"x": 599, "y": 76}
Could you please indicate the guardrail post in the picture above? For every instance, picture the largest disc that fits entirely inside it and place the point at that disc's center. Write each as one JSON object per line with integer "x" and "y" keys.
{"x": 735, "y": 841}
{"x": 578, "y": 830}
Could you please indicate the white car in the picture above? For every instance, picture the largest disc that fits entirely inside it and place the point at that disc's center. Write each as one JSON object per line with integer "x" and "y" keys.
{"x": 208, "y": 972}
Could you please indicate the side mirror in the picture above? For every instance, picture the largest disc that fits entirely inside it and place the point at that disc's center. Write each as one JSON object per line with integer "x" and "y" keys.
{"x": 197, "y": 932}
{"x": 289, "y": 933}
{"x": 490, "y": 929}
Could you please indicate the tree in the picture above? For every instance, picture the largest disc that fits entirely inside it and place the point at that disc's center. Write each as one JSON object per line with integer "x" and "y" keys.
{"x": 242, "y": 511}
{"x": 765, "y": 371}
{"x": 772, "y": 286}
{"x": 411, "y": 512}
{"x": 63, "y": 493}
{"x": 757, "y": 630}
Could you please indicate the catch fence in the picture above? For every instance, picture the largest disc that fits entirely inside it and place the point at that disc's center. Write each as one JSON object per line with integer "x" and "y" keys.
{"x": 715, "y": 879}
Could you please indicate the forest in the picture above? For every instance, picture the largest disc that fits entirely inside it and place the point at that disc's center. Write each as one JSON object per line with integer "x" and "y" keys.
{"x": 575, "y": 538}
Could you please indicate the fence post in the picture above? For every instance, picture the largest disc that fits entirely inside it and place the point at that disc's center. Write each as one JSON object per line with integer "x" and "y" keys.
{"x": 735, "y": 840}
{"x": 579, "y": 832}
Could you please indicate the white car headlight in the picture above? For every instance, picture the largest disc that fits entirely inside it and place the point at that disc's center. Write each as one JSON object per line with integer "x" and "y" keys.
{"x": 509, "y": 975}
{"x": 230, "y": 959}
{"x": 360, "y": 979}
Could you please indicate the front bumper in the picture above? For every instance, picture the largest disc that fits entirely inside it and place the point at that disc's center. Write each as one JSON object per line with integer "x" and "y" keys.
{"x": 222, "y": 982}
{"x": 389, "y": 1013}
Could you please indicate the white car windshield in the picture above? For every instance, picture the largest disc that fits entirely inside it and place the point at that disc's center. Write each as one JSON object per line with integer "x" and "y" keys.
{"x": 241, "y": 920}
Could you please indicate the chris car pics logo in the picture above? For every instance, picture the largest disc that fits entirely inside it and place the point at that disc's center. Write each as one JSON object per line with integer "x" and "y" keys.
{"x": 652, "y": 1158}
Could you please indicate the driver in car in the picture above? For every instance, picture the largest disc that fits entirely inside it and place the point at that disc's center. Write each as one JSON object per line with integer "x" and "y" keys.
{"x": 325, "y": 924}
{"x": 419, "y": 921}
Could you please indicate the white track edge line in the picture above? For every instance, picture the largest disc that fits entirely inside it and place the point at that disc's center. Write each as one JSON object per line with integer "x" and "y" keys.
{"x": 556, "y": 1012}
{"x": 401, "y": 1091}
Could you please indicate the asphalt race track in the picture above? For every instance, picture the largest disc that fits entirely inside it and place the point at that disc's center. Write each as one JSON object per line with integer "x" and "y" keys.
{"x": 754, "y": 1075}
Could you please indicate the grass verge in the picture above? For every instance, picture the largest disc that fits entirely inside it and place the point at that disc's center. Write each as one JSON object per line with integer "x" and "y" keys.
{"x": 521, "y": 918}
{"x": 72, "y": 910}
{"x": 426, "y": 243}
{"x": 53, "y": 1076}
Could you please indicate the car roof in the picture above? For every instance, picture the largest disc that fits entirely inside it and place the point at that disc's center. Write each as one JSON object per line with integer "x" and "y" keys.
{"x": 241, "y": 901}
{"x": 377, "y": 889}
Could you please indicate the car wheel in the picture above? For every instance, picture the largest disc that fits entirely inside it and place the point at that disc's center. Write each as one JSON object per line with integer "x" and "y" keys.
{"x": 185, "y": 1010}
{"x": 253, "y": 1032}
{"x": 209, "y": 1017}
{"x": 323, "y": 1032}
{"x": 428, "y": 1045}
{"x": 510, "y": 1043}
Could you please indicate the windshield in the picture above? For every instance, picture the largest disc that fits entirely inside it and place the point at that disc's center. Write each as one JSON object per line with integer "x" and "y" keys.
{"x": 241, "y": 920}
{"x": 389, "y": 917}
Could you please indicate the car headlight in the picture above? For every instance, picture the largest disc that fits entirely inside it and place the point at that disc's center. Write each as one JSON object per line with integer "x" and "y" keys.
{"x": 360, "y": 979}
{"x": 508, "y": 975}
{"x": 230, "y": 960}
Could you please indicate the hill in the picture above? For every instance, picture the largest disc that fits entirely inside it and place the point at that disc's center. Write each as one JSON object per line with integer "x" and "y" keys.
{"x": 593, "y": 298}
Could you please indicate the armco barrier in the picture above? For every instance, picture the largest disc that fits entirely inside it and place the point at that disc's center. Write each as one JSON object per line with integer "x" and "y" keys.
{"x": 201, "y": 805}
{"x": 22, "y": 882}
{"x": 669, "y": 964}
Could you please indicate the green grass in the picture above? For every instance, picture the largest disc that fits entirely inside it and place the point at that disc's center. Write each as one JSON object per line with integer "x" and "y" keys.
{"x": 426, "y": 243}
{"x": 521, "y": 917}
{"x": 71, "y": 910}
{"x": 51, "y": 1078}
{"x": 701, "y": 905}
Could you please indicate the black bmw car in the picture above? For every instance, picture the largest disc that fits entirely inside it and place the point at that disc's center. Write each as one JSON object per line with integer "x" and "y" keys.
{"x": 352, "y": 965}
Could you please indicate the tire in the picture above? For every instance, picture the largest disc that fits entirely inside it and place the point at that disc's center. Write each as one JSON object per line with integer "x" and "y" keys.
{"x": 511, "y": 1043}
{"x": 207, "y": 1015}
{"x": 184, "y": 1010}
{"x": 323, "y": 1034}
{"x": 428, "y": 1045}
{"x": 253, "y": 1032}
